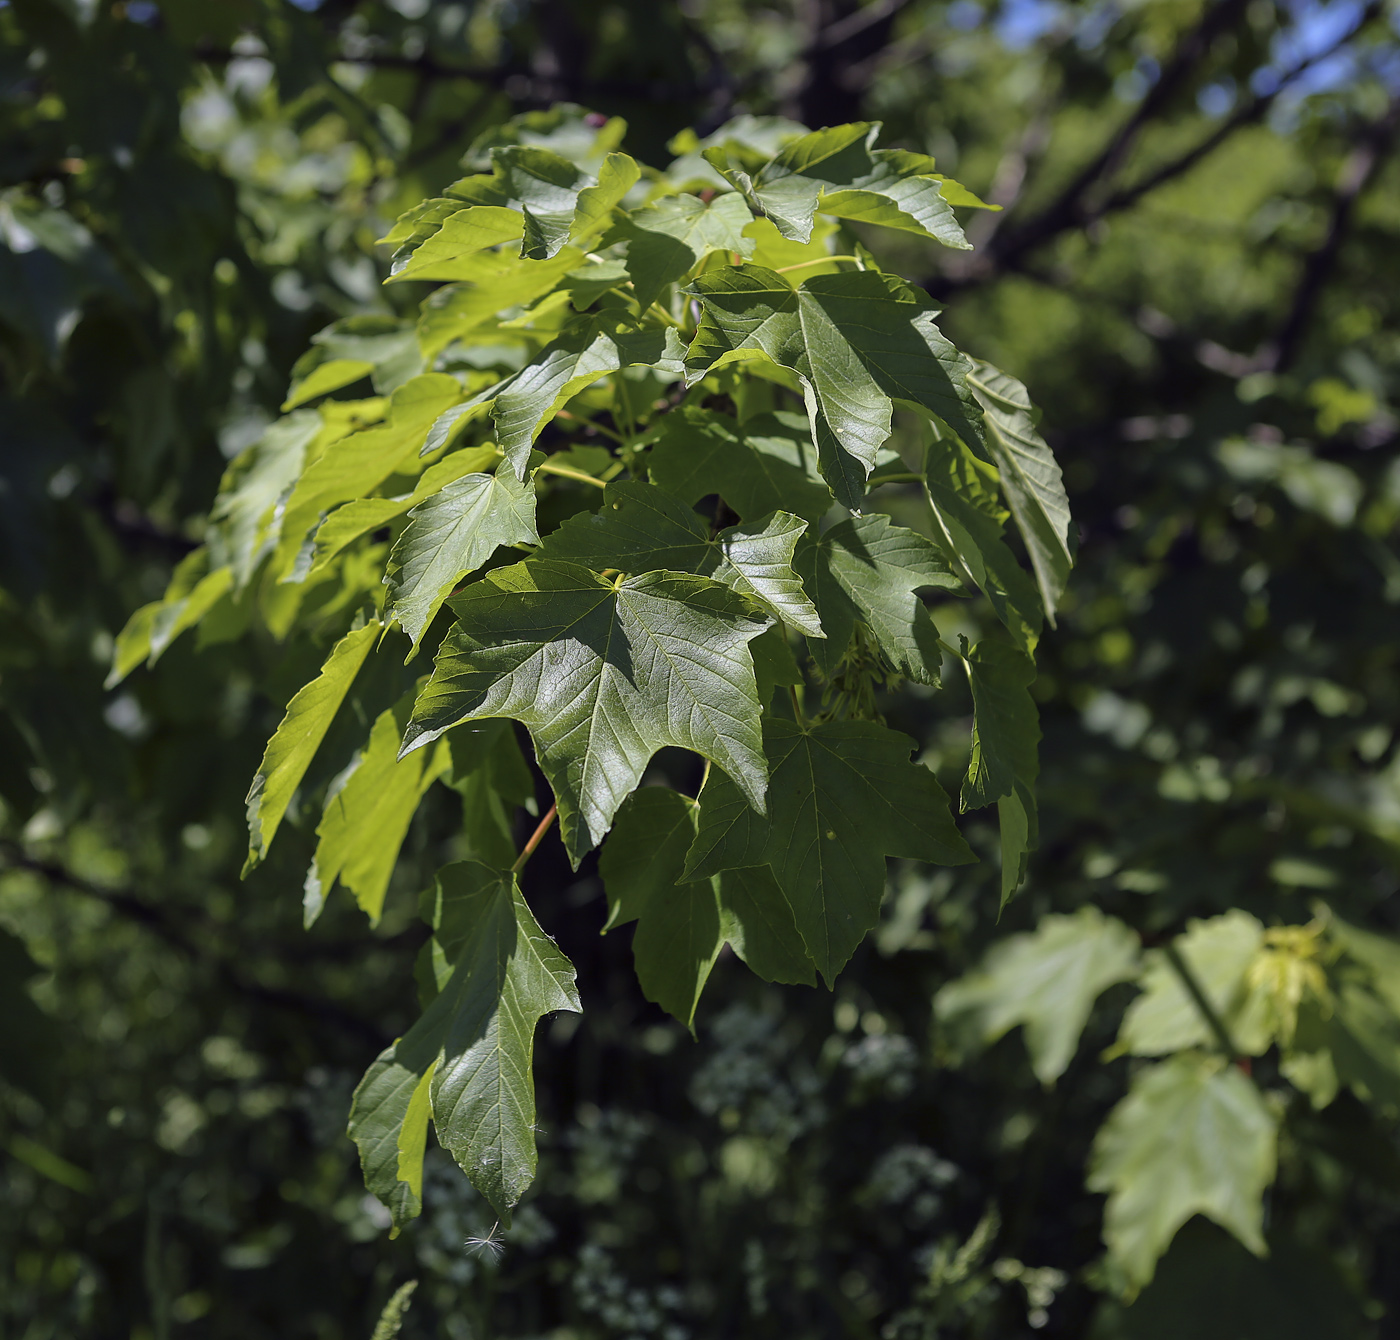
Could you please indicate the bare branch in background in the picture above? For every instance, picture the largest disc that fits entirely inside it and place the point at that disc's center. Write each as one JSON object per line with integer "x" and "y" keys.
{"x": 1007, "y": 246}
{"x": 1249, "y": 113}
{"x": 1070, "y": 208}
{"x": 1357, "y": 171}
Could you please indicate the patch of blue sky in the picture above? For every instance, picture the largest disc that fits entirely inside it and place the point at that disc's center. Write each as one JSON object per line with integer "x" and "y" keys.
{"x": 1020, "y": 23}
{"x": 1316, "y": 27}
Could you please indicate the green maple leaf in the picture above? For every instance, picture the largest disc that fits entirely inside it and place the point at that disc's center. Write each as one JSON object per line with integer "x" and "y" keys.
{"x": 638, "y": 528}
{"x": 354, "y": 519}
{"x": 678, "y": 935}
{"x": 245, "y": 521}
{"x": 839, "y": 171}
{"x": 962, "y": 494}
{"x": 459, "y": 234}
{"x": 295, "y": 741}
{"x": 843, "y": 796}
{"x": 192, "y": 593}
{"x": 758, "y": 563}
{"x": 1193, "y": 1136}
{"x": 588, "y": 349}
{"x": 354, "y": 465}
{"x": 667, "y": 240}
{"x": 451, "y": 534}
{"x": 682, "y": 925}
{"x": 489, "y": 282}
{"x": 328, "y": 375}
{"x": 589, "y": 282}
{"x": 1030, "y": 478}
{"x": 532, "y": 193}
{"x": 1005, "y": 723}
{"x": 491, "y": 775}
{"x": 1047, "y": 981}
{"x": 766, "y": 464}
{"x": 471, "y": 1051}
{"x": 384, "y": 342}
{"x": 867, "y": 568}
{"x": 366, "y": 815}
{"x": 1004, "y": 762}
{"x": 642, "y": 528}
{"x": 603, "y": 674}
{"x": 857, "y": 341}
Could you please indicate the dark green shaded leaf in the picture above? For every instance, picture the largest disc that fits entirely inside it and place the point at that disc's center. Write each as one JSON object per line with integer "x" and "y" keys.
{"x": 969, "y": 522}
{"x": 868, "y": 568}
{"x": 1030, "y": 479}
{"x": 366, "y": 816}
{"x": 859, "y": 341}
{"x": 668, "y": 239}
{"x": 767, "y": 464}
{"x": 642, "y": 528}
{"x": 843, "y": 796}
{"x": 681, "y": 926}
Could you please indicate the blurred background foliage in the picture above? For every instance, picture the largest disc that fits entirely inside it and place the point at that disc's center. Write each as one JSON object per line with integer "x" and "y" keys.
{"x": 1197, "y": 273}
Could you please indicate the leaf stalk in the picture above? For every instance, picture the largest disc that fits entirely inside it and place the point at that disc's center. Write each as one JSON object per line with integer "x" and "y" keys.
{"x": 535, "y": 839}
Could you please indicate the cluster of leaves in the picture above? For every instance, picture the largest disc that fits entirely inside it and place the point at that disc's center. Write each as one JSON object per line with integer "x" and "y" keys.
{"x": 1194, "y": 1135}
{"x": 1200, "y": 293}
{"x": 583, "y": 299}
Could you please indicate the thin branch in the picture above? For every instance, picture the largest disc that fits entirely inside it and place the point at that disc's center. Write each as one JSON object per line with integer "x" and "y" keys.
{"x": 817, "y": 260}
{"x": 843, "y": 30}
{"x": 150, "y": 916}
{"x": 1208, "y": 1011}
{"x": 1074, "y": 207}
{"x": 1360, "y": 167}
{"x": 528, "y": 850}
{"x": 1247, "y": 114}
{"x": 159, "y": 922}
{"x": 1068, "y": 210}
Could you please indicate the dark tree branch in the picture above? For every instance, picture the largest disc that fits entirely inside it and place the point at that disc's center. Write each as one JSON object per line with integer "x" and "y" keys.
{"x": 1075, "y": 206}
{"x": 160, "y": 923}
{"x": 841, "y": 37}
{"x": 146, "y": 914}
{"x": 1250, "y": 113}
{"x": 1359, "y": 168}
{"x": 1070, "y": 209}
{"x": 843, "y": 30}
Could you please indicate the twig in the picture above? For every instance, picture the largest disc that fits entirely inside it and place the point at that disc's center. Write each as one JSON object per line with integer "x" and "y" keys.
{"x": 528, "y": 850}
{"x": 1251, "y": 112}
{"x": 1068, "y": 209}
{"x": 1208, "y": 1011}
{"x": 158, "y": 921}
{"x": 568, "y": 472}
{"x": 1357, "y": 171}
{"x": 1073, "y": 208}
{"x": 816, "y": 260}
